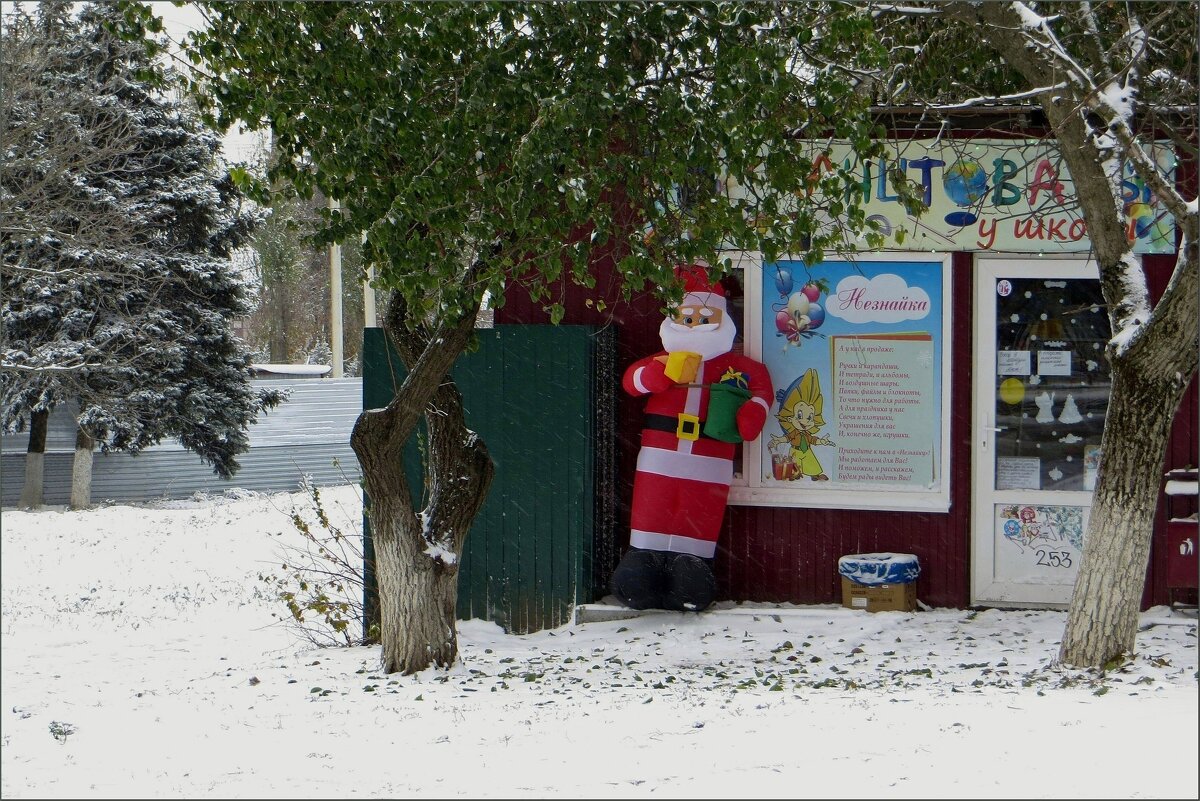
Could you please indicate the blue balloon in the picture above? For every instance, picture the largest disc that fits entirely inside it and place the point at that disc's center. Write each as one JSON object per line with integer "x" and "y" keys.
{"x": 783, "y": 280}
{"x": 816, "y": 315}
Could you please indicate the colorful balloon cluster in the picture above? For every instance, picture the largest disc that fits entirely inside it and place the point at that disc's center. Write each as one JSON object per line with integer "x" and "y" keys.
{"x": 800, "y": 315}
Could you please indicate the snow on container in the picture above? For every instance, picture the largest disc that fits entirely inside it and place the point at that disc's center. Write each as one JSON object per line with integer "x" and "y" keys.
{"x": 879, "y": 582}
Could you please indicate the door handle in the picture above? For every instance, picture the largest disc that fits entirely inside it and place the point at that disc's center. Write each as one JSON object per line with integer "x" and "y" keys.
{"x": 986, "y": 436}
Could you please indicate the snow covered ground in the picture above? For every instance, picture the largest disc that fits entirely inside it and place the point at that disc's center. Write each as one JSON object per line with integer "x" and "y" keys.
{"x": 144, "y": 658}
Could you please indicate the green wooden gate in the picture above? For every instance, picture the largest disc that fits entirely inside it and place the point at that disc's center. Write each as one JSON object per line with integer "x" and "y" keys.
{"x": 541, "y": 397}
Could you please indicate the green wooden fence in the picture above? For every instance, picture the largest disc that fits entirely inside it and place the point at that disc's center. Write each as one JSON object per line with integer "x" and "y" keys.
{"x": 541, "y": 397}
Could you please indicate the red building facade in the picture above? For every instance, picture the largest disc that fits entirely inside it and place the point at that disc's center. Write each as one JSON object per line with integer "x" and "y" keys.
{"x": 789, "y": 552}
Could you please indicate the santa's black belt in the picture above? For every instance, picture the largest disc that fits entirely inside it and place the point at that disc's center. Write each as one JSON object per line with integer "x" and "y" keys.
{"x": 683, "y": 425}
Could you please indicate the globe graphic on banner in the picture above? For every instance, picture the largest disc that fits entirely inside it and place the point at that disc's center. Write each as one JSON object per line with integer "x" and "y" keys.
{"x": 965, "y": 182}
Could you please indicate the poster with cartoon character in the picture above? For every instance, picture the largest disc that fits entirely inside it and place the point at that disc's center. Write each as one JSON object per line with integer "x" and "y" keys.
{"x": 800, "y": 416}
{"x": 855, "y": 348}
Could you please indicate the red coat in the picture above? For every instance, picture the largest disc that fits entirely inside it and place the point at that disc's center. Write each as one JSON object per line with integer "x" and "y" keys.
{"x": 682, "y": 483}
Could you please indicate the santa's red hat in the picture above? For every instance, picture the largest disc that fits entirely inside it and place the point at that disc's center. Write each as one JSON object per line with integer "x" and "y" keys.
{"x": 697, "y": 286}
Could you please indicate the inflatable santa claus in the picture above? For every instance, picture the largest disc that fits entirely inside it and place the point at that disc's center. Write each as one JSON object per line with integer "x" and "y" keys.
{"x": 702, "y": 402}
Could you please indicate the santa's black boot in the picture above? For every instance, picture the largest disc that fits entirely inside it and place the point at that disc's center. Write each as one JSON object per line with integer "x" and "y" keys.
{"x": 691, "y": 585}
{"x": 639, "y": 580}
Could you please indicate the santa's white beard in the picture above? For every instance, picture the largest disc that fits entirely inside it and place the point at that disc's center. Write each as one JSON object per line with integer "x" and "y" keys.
{"x": 708, "y": 344}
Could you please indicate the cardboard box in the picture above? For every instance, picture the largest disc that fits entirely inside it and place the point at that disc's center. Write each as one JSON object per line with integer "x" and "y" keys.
{"x": 879, "y": 597}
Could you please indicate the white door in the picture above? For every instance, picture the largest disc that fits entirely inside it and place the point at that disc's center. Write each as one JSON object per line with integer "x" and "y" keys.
{"x": 1041, "y": 387}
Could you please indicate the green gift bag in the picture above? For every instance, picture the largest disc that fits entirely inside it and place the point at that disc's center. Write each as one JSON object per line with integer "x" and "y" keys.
{"x": 724, "y": 400}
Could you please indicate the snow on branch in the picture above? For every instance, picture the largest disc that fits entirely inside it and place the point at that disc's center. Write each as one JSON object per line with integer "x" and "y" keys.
{"x": 1032, "y": 24}
{"x": 6, "y": 364}
{"x": 909, "y": 10}
{"x": 1002, "y": 99}
{"x": 1146, "y": 168}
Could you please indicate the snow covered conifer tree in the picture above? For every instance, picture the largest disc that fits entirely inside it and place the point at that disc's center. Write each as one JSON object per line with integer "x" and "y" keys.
{"x": 121, "y": 297}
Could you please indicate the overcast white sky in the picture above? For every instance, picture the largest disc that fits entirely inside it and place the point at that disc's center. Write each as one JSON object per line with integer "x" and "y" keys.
{"x": 179, "y": 21}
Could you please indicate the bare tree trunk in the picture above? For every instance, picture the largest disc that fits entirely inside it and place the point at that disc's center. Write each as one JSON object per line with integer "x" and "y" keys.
{"x": 417, "y": 554}
{"x": 81, "y": 471}
{"x": 32, "y": 493}
{"x": 1153, "y": 355}
{"x": 418, "y": 594}
{"x": 1102, "y": 623}
{"x": 281, "y": 350}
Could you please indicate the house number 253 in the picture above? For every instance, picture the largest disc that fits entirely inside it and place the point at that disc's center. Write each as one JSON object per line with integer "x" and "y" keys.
{"x": 1054, "y": 558}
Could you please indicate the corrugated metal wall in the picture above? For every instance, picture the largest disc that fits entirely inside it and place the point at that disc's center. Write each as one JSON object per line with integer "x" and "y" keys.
{"x": 307, "y": 434}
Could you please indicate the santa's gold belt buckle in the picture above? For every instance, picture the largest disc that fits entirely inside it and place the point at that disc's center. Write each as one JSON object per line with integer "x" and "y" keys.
{"x": 688, "y": 428}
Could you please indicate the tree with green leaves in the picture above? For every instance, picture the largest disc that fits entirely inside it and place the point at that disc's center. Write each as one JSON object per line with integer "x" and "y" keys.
{"x": 481, "y": 146}
{"x": 290, "y": 304}
{"x": 1112, "y": 79}
{"x": 118, "y": 282}
{"x": 291, "y": 321}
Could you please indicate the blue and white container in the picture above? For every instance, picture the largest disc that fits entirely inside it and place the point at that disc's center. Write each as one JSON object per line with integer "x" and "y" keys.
{"x": 880, "y": 568}
{"x": 879, "y": 582}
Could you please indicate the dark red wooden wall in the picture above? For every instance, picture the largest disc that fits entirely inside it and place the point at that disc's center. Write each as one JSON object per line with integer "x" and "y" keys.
{"x": 1181, "y": 452}
{"x": 789, "y": 555}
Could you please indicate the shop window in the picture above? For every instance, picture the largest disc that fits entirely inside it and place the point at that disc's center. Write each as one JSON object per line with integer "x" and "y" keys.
{"x": 858, "y": 351}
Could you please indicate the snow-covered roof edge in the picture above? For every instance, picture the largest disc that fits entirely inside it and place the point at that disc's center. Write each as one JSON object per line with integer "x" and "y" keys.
{"x": 292, "y": 369}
